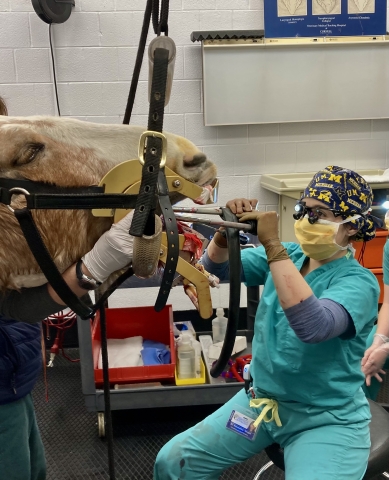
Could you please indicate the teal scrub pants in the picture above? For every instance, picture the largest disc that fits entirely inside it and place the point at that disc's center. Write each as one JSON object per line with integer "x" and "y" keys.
{"x": 319, "y": 445}
{"x": 22, "y": 456}
{"x": 374, "y": 388}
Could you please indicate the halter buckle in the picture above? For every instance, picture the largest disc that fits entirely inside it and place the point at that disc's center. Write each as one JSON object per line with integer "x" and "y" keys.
{"x": 16, "y": 191}
{"x": 143, "y": 146}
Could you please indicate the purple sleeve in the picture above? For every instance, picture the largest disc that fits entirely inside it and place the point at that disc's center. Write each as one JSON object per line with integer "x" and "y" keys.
{"x": 317, "y": 320}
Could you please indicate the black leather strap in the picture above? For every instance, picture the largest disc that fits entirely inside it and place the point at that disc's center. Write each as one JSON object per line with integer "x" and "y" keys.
{"x": 54, "y": 277}
{"x": 47, "y": 265}
{"x": 42, "y": 187}
{"x": 146, "y": 202}
{"x": 172, "y": 246}
{"x": 80, "y": 202}
{"x": 33, "y": 189}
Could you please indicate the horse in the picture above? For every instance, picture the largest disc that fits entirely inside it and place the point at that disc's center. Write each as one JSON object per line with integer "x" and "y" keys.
{"x": 68, "y": 152}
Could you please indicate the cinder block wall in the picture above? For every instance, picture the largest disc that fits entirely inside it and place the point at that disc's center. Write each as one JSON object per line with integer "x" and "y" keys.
{"x": 95, "y": 52}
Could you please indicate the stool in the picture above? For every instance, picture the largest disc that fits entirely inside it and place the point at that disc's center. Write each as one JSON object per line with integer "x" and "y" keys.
{"x": 379, "y": 451}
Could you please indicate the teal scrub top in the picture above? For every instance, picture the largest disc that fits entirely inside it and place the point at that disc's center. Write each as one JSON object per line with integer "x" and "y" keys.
{"x": 326, "y": 374}
{"x": 385, "y": 263}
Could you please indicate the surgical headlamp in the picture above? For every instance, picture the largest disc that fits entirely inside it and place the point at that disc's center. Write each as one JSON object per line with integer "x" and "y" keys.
{"x": 314, "y": 213}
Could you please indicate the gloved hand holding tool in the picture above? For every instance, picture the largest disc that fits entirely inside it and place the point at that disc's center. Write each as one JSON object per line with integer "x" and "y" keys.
{"x": 267, "y": 231}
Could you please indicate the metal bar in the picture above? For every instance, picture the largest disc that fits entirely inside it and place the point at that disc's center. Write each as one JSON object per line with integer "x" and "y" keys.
{"x": 218, "y": 223}
{"x": 209, "y": 211}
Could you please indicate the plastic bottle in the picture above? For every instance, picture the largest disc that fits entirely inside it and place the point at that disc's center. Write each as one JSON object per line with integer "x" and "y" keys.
{"x": 197, "y": 347}
{"x": 219, "y": 326}
{"x": 186, "y": 357}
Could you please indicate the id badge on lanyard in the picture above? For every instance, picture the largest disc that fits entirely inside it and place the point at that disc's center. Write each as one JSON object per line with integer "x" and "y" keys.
{"x": 241, "y": 421}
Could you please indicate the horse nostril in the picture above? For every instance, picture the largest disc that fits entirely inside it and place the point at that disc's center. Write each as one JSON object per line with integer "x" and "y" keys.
{"x": 197, "y": 159}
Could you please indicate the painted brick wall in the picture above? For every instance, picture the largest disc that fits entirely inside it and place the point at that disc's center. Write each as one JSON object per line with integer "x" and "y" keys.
{"x": 95, "y": 53}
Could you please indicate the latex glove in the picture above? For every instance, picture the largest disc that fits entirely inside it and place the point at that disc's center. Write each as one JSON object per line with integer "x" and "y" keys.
{"x": 378, "y": 341}
{"x": 240, "y": 205}
{"x": 373, "y": 363}
{"x": 267, "y": 224}
{"x": 267, "y": 231}
{"x": 112, "y": 251}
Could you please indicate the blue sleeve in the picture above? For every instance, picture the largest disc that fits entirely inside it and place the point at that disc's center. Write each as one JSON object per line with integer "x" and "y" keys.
{"x": 221, "y": 270}
{"x": 315, "y": 321}
{"x": 352, "y": 287}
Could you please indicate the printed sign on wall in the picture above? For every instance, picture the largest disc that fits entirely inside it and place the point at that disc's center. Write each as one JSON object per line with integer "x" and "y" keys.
{"x": 324, "y": 18}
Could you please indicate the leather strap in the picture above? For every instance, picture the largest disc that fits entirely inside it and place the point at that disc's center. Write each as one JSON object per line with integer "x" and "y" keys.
{"x": 42, "y": 187}
{"x": 47, "y": 265}
{"x": 80, "y": 202}
{"x": 146, "y": 201}
{"x": 51, "y": 272}
{"x": 143, "y": 221}
{"x": 172, "y": 239}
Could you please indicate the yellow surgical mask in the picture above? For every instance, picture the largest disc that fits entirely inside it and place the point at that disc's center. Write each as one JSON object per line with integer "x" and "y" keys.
{"x": 317, "y": 240}
{"x": 387, "y": 219}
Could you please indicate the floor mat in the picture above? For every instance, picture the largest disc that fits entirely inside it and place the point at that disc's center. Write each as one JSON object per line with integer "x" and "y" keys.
{"x": 74, "y": 450}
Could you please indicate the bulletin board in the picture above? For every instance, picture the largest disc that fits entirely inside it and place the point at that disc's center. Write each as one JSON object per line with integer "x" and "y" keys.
{"x": 310, "y": 18}
{"x": 246, "y": 82}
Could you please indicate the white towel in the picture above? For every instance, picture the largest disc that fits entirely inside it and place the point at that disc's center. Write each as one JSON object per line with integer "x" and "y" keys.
{"x": 123, "y": 352}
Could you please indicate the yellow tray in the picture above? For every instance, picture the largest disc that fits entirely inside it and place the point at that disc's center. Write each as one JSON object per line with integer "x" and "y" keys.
{"x": 192, "y": 381}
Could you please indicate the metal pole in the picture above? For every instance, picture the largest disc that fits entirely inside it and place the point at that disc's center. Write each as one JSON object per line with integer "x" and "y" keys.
{"x": 218, "y": 223}
{"x": 209, "y": 211}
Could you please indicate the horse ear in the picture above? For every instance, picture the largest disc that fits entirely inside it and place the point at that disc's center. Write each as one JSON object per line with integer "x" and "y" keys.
{"x": 3, "y": 107}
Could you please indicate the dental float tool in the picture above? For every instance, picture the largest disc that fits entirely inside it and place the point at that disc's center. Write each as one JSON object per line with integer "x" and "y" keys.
{"x": 247, "y": 227}
{"x": 209, "y": 211}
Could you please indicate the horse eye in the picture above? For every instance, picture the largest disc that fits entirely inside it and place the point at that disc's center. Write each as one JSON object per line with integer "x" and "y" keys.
{"x": 29, "y": 154}
{"x": 34, "y": 151}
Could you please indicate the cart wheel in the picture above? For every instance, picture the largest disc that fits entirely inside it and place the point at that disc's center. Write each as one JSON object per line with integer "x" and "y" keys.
{"x": 101, "y": 424}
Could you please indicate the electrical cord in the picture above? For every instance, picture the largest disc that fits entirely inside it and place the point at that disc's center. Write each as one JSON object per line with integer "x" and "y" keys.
{"x": 54, "y": 74}
{"x": 61, "y": 321}
{"x": 361, "y": 254}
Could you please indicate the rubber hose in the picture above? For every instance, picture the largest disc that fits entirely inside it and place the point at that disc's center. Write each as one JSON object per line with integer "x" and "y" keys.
{"x": 234, "y": 302}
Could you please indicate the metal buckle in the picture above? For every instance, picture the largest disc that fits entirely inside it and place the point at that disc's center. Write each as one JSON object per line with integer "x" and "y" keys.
{"x": 17, "y": 191}
{"x": 142, "y": 146}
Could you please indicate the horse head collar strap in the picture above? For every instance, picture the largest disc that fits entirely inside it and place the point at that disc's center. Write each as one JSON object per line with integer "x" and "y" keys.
{"x": 73, "y": 198}
{"x": 41, "y": 195}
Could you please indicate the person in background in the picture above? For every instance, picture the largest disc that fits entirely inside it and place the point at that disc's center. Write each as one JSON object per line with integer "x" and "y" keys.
{"x": 21, "y": 450}
{"x": 316, "y": 311}
{"x": 376, "y": 358}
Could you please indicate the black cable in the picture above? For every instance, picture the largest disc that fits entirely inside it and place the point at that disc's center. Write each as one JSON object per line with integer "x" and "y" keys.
{"x": 159, "y": 19}
{"x": 54, "y": 75}
{"x": 138, "y": 62}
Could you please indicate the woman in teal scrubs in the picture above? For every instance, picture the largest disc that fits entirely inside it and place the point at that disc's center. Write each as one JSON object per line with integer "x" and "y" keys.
{"x": 376, "y": 358}
{"x": 317, "y": 309}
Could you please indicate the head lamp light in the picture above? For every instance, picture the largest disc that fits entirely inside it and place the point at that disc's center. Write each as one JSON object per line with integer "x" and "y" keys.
{"x": 314, "y": 213}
